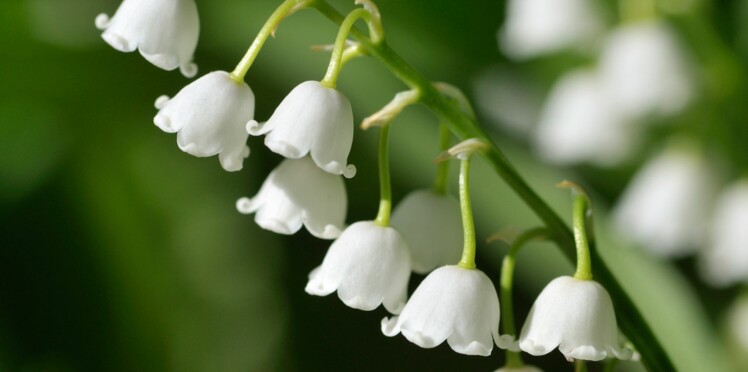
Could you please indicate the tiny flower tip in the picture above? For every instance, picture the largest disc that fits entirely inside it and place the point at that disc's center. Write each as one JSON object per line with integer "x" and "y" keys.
{"x": 317, "y": 287}
{"x": 508, "y": 342}
{"x": 189, "y": 70}
{"x": 191, "y": 148}
{"x": 420, "y": 339}
{"x": 161, "y": 60}
{"x": 254, "y": 128}
{"x": 161, "y": 101}
{"x": 245, "y": 206}
{"x": 232, "y": 163}
{"x": 164, "y": 123}
{"x": 348, "y": 171}
{"x": 102, "y": 21}
{"x": 329, "y": 232}
{"x": 390, "y": 327}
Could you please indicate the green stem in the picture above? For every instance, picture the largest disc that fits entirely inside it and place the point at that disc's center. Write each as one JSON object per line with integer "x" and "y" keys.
{"x": 513, "y": 359}
{"x": 441, "y": 186}
{"x": 468, "y": 227}
{"x": 579, "y": 221}
{"x": 610, "y": 365}
{"x": 336, "y": 64}
{"x": 580, "y": 366}
{"x": 631, "y": 320}
{"x": 385, "y": 192}
{"x": 267, "y": 29}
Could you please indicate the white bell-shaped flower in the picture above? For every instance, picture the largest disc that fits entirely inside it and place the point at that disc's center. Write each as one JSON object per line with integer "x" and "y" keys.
{"x": 367, "y": 265}
{"x": 664, "y": 207}
{"x": 724, "y": 260}
{"x": 313, "y": 119}
{"x": 209, "y": 116}
{"x": 165, "y": 31}
{"x": 576, "y": 316}
{"x": 580, "y": 123}
{"x": 431, "y": 224}
{"x": 536, "y": 27}
{"x": 645, "y": 70}
{"x": 454, "y": 304}
{"x": 298, "y": 193}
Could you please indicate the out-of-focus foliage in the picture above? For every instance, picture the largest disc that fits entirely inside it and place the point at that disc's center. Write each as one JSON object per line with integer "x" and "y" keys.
{"x": 120, "y": 252}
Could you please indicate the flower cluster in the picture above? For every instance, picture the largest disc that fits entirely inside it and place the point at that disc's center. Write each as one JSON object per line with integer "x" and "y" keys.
{"x": 370, "y": 262}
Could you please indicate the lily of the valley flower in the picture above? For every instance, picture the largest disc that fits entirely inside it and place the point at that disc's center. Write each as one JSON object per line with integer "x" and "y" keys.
{"x": 645, "y": 70}
{"x": 298, "y": 193}
{"x": 165, "y": 31}
{"x": 577, "y": 317}
{"x": 367, "y": 265}
{"x": 209, "y": 117}
{"x": 536, "y": 27}
{"x": 313, "y": 119}
{"x": 580, "y": 122}
{"x": 454, "y": 304}
{"x": 430, "y": 223}
{"x": 725, "y": 257}
{"x": 663, "y": 208}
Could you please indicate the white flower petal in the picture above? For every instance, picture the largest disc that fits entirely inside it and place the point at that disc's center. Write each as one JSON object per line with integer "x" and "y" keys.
{"x": 312, "y": 119}
{"x": 368, "y": 265}
{"x": 453, "y": 304}
{"x": 724, "y": 261}
{"x": 209, "y": 117}
{"x": 431, "y": 224}
{"x": 296, "y": 193}
{"x": 664, "y": 207}
{"x": 579, "y": 123}
{"x": 165, "y": 31}
{"x": 536, "y": 27}
{"x": 645, "y": 70}
{"x": 574, "y": 315}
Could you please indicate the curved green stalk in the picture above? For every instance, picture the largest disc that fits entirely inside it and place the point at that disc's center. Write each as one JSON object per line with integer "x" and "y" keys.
{"x": 267, "y": 29}
{"x": 630, "y": 319}
{"x": 336, "y": 60}
{"x": 385, "y": 191}
{"x": 468, "y": 227}
{"x": 513, "y": 359}
{"x": 579, "y": 220}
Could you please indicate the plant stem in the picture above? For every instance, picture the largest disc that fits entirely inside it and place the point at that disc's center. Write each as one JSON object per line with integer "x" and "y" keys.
{"x": 631, "y": 320}
{"x": 385, "y": 192}
{"x": 513, "y": 359}
{"x": 468, "y": 227}
{"x": 441, "y": 186}
{"x": 579, "y": 221}
{"x": 267, "y": 29}
{"x": 333, "y": 69}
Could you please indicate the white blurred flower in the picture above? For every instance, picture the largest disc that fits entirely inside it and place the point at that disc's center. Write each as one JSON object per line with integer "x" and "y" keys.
{"x": 165, "y": 31}
{"x": 580, "y": 123}
{"x": 536, "y": 27}
{"x": 313, "y": 119}
{"x": 453, "y": 304}
{"x": 298, "y": 192}
{"x": 432, "y": 225}
{"x": 209, "y": 116}
{"x": 524, "y": 368}
{"x": 576, "y": 316}
{"x": 724, "y": 260}
{"x": 367, "y": 265}
{"x": 664, "y": 208}
{"x": 645, "y": 70}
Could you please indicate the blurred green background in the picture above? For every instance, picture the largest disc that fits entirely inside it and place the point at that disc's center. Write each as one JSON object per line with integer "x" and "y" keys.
{"x": 121, "y": 253}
